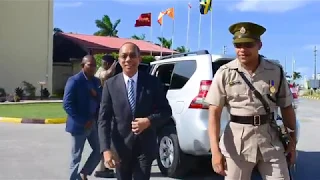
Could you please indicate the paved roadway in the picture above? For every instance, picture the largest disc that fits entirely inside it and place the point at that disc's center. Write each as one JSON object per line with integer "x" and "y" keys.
{"x": 40, "y": 152}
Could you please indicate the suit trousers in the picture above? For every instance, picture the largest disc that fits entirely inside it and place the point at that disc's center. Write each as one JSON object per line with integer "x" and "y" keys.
{"x": 138, "y": 166}
{"x": 78, "y": 143}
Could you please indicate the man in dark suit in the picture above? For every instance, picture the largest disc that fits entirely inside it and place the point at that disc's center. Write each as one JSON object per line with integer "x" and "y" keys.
{"x": 81, "y": 102}
{"x": 137, "y": 105}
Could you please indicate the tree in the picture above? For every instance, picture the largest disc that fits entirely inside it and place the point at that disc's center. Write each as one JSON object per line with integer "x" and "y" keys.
{"x": 182, "y": 49}
{"x": 296, "y": 75}
{"x": 107, "y": 28}
{"x": 56, "y": 30}
{"x": 166, "y": 43}
{"x": 141, "y": 37}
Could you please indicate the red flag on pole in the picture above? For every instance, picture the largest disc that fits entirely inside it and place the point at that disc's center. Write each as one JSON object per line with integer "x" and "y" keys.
{"x": 143, "y": 20}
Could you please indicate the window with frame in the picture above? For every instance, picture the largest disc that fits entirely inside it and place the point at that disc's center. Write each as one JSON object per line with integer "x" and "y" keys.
{"x": 164, "y": 74}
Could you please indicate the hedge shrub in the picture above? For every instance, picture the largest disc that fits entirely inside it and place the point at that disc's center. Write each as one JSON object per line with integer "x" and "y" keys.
{"x": 145, "y": 59}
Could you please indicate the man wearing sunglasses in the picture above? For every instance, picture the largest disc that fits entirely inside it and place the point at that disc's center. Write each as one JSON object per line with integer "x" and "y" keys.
{"x": 251, "y": 88}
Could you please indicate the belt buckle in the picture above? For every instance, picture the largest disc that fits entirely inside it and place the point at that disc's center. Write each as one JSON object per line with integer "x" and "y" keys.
{"x": 256, "y": 120}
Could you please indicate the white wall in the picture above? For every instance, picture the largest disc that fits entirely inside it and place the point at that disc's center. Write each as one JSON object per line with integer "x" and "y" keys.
{"x": 26, "y": 33}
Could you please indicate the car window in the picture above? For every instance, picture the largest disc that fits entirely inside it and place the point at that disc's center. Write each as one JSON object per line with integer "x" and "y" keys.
{"x": 182, "y": 72}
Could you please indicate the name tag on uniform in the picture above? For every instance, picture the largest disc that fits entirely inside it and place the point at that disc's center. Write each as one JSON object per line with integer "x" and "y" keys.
{"x": 231, "y": 83}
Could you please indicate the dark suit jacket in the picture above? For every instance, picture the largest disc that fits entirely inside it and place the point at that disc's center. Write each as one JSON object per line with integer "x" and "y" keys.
{"x": 151, "y": 102}
{"x": 76, "y": 102}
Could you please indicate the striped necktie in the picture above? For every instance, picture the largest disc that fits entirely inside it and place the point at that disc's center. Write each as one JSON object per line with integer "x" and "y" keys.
{"x": 131, "y": 95}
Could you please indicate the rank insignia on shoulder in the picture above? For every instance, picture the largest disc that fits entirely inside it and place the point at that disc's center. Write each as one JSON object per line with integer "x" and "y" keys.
{"x": 231, "y": 83}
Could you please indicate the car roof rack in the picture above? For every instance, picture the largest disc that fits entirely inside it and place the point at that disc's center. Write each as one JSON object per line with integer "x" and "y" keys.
{"x": 200, "y": 52}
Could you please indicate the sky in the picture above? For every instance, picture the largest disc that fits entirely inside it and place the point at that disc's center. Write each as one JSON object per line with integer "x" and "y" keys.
{"x": 292, "y": 25}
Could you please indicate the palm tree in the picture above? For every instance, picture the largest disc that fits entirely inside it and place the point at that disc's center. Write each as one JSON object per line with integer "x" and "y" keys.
{"x": 56, "y": 30}
{"x": 141, "y": 37}
{"x": 166, "y": 43}
{"x": 182, "y": 49}
{"x": 107, "y": 28}
{"x": 296, "y": 75}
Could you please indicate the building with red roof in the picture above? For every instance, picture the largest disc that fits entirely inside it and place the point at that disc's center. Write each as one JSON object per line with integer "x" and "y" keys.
{"x": 68, "y": 50}
{"x": 104, "y": 44}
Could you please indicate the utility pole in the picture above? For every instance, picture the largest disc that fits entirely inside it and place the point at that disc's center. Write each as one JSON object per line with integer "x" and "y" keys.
{"x": 293, "y": 66}
{"x": 315, "y": 62}
{"x": 285, "y": 65}
{"x": 224, "y": 49}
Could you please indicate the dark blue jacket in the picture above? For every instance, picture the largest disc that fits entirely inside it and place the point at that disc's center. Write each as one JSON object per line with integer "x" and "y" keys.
{"x": 76, "y": 102}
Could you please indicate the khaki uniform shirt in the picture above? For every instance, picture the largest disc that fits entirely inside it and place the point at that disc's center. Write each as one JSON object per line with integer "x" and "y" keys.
{"x": 229, "y": 89}
{"x": 101, "y": 74}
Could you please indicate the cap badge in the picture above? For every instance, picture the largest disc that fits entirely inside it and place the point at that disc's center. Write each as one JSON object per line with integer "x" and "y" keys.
{"x": 242, "y": 30}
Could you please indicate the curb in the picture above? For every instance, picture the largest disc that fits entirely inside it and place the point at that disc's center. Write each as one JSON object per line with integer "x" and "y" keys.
{"x": 30, "y": 102}
{"x": 33, "y": 120}
{"x": 311, "y": 97}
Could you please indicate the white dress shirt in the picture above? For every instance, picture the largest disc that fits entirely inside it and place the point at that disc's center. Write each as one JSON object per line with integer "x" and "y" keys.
{"x": 135, "y": 80}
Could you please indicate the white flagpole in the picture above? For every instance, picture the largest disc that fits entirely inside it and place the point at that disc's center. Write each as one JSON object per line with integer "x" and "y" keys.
{"x": 293, "y": 64}
{"x": 211, "y": 33}
{"x": 188, "y": 27}
{"x": 161, "y": 36}
{"x": 199, "y": 33}
{"x": 285, "y": 64}
{"x": 151, "y": 38}
{"x": 172, "y": 36}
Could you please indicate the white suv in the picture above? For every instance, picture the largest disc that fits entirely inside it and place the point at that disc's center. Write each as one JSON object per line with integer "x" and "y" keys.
{"x": 187, "y": 78}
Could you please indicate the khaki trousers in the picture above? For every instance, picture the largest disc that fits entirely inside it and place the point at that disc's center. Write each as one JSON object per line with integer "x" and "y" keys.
{"x": 275, "y": 169}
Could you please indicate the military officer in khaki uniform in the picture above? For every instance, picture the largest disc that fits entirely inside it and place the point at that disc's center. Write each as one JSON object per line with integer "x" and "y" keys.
{"x": 104, "y": 72}
{"x": 107, "y": 69}
{"x": 250, "y": 138}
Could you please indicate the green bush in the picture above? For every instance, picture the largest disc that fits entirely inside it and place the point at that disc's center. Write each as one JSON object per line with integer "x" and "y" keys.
{"x": 311, "y": 92}
{"x": 145, "y": 59}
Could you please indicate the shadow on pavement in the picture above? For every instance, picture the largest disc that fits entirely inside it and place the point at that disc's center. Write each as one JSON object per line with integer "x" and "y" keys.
{"x": 307, "y": 165}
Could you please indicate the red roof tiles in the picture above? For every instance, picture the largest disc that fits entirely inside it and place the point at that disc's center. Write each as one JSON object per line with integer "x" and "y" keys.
{"x": 106, "y": 42}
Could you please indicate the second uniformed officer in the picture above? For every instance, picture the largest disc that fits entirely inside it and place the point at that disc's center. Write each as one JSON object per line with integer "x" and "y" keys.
{"x": 251, "y": 88}
{"x": 104, "y": 72}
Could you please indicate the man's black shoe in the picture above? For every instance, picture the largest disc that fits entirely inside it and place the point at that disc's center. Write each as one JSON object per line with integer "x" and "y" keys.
{"x": 108, "y": 173}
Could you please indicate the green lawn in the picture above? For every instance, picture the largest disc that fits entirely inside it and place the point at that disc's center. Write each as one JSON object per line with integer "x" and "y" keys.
{"x": 39, "y": 110}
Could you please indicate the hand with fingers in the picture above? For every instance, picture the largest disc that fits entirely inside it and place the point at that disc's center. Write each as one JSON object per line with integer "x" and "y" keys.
{"x": 219, "y": 164}
{"x": 139, "y": 125}
{"x": 110, "y": 159}
{"x": 112, "y": 68}
{"x": 291, "y": 152}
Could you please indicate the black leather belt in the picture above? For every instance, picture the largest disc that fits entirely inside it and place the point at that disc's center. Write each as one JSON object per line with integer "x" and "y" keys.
{"x": 256, "y": 120}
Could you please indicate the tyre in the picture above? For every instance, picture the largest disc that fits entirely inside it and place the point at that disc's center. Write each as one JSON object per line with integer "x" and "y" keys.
{"x": 172, "y": 162}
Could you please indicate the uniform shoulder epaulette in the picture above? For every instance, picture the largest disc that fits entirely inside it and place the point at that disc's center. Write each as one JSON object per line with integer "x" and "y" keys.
{"x": 230, "y": 65}
{"x": 223, "y": 67}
